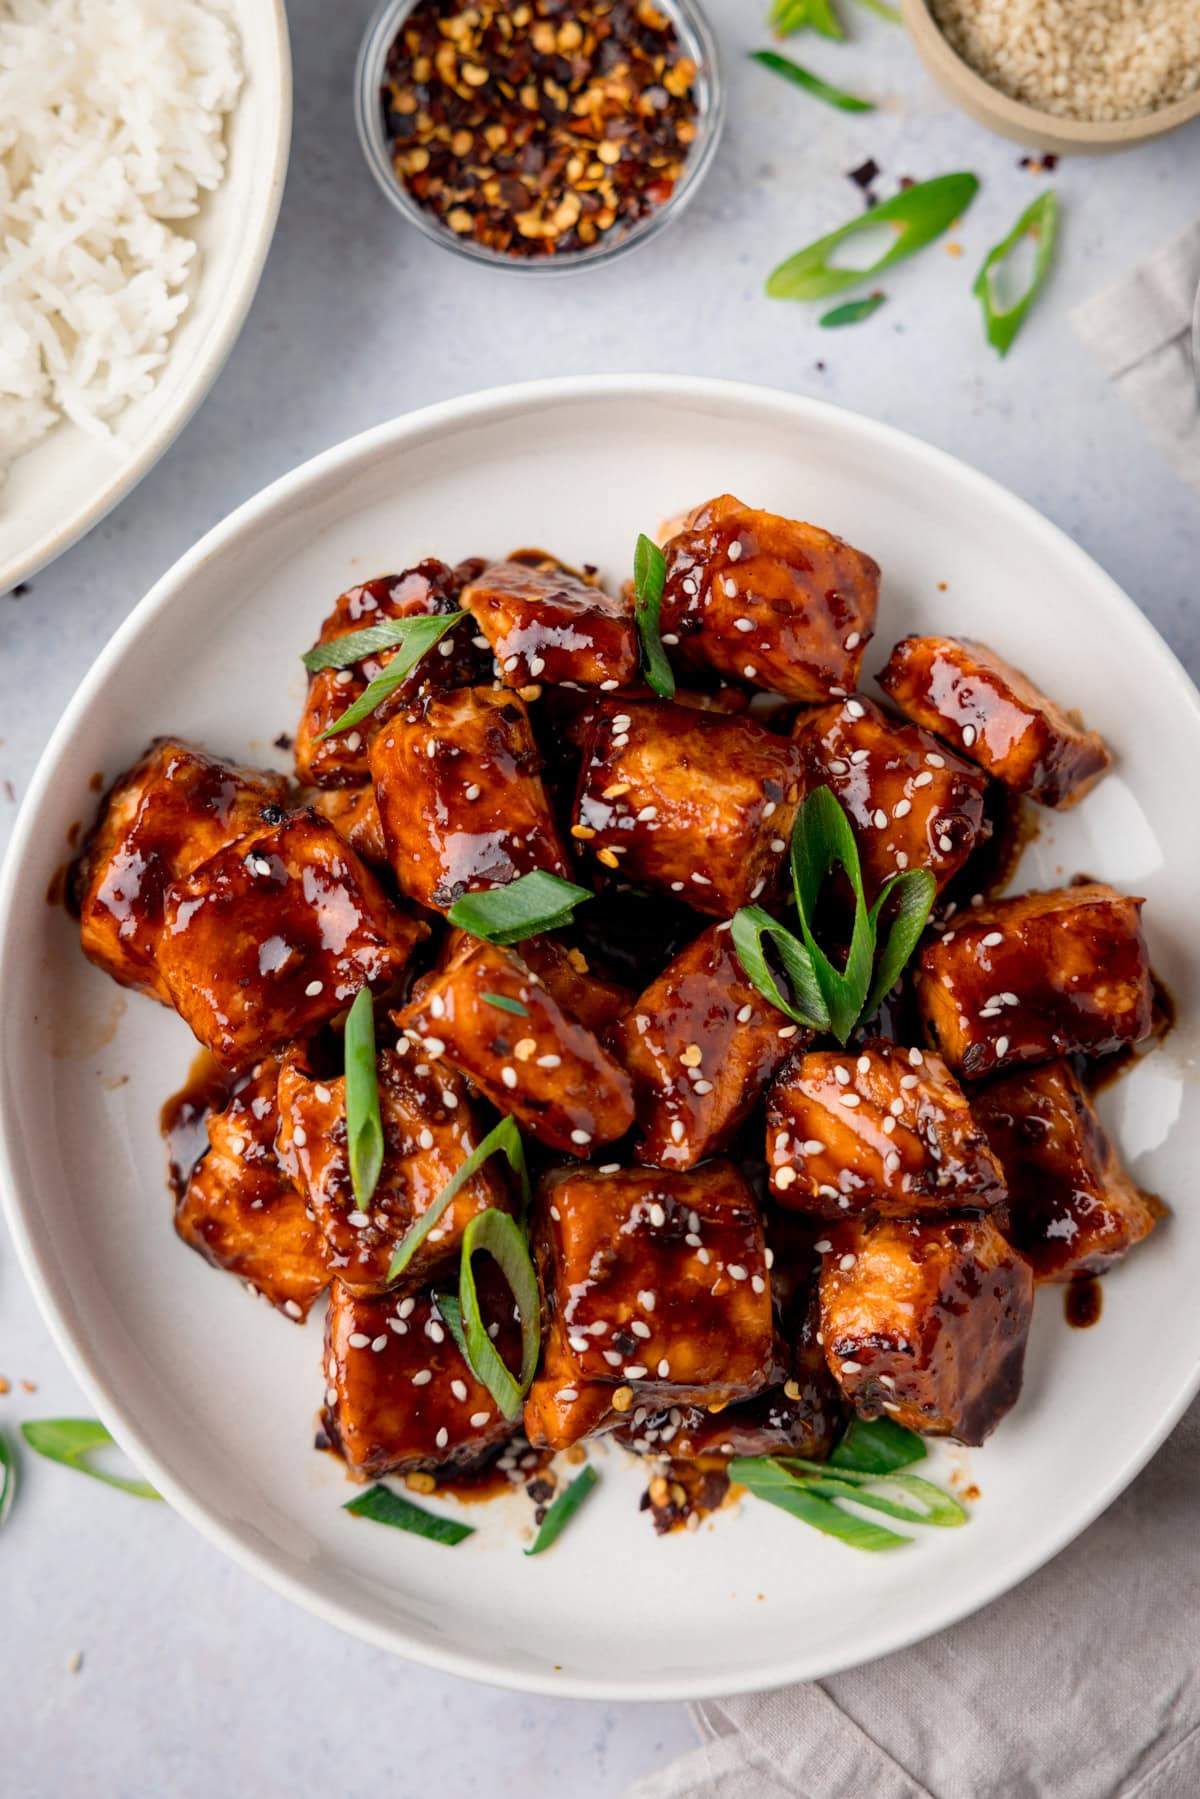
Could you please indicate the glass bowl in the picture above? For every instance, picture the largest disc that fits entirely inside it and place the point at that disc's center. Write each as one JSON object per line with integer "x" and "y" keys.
{"x": 698, "y": 42}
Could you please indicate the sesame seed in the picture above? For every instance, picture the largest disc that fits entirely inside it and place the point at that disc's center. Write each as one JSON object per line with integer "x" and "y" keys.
{"x": 737, "y": 1272}
{"x": 313, "y": 988}
{"x": 459, "y": 1389}
{"x": 787, "y": 1031}
{"x": 1001, "y": 1046}
{"x": 299, "y": 1136}
{"x": 567, "y": 1394}
{"x": 863, "y": 1065}
{"x": 992, "y": 939}
{"x": 331, "y": 1394}
{"x": 841, "y": 1075}
{"x": 902, "y": 808}
{"x": 635, "y": 1371}
{"x": 405, "y": 1308}
{"x": 580, "y": 1137}
{"x": 669, "y": 637}
{"x": 702, "y": 1086}
{"x": 657, "y": 1216}
{"x": 677, "y": 1130}
{"x": 852, "y": 642}
{"x": 607, "y": 686}
{"x": 609, "y": 1168}
{"x": 901, "y": 858}
{"x": 701, "y": 880}
{"x": 745, "y": 1014}
{"x": 435, "y": 1332}
{"x": 784, "y": 1177}
{"x": 479, "y": 1419}
{"x": 778, "y": 845}
{"x": 847, "y": 1262}
{"x": 357, "y": 1219}
{"x": 358, "y": 1340}
{"x": 549, "y": 1061}
{"x": 380, "y": 1342}
{"x": 508, "y": 1076}
{"x": 945, "y": 844}
{"x": 855, "y": 709}
{"x": 639, "y": 1329}
{"x": 734, "y": 551}
{"x": 442, "y": 1438}
{"x": 473, "y": 791}
{"x": 743, "y": 624}
{"x": 916, "y": 1058}
{"x": 879, "y": 818}
{"x": 823, "y": 1246}
{"x": 923, "y": 779}
{"x": 750, "y": 671}
{"x": 664, "y": 1370}
{"x": 849, "y": 1099}
{"x": 692, "y": 1056}
{"x": 434, "y": 1047}
{"x": 422, "y": 1377}
{"x": 851, "y": 1367}
{"x": 908, "y": 1082}
{"x": 323, "y": 1094}
{"x": 704, "y": 1256}
{"x": 813, "y": 1147}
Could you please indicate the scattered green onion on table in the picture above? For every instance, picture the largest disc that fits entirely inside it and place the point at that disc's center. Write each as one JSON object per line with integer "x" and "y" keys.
{"x": 1038, "y": 222}
{"x": 74, "y": 1442}
{"x": 917, "y": 216}
{"x": 812, "y": 84}
{"x": 853, "y": 312}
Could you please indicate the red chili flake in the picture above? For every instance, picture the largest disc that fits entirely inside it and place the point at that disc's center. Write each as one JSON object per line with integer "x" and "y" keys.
{"x": 864, "y": 176}
{"x": 534, "y": 127}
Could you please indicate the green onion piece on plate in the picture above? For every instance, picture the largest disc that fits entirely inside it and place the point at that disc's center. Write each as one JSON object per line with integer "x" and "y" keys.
{"x": 505, "y": 1138}
{"x": 563, "y": 1510}
{"x": 419, "y": 638}
{"x": 1039, "y": 222}
{"x": 852, "y": 312}
{"x": 934, "y": 1506}
{"x": 386, "y": 1507}
{"x": 916, "y": 217}
{"x": 788, "y": 16}
{"x": 8, "y": 1477}
{"x": 750, "y": 926}
{"x": 766, "y": 1479}
{"x": 496, "y": 1234}
{"x": 364, "y": 1126}
{"x": 877, "y": 1446}
{"x": 72, "y": 1441}
{"x": 503, "y": 1004}
{"x": 534, "y": 902}
{"x": 812, "y": 84}
{"x": 823, "y": 840}
{"x": 649, "y": 579}
{"x": 913, "y": 892}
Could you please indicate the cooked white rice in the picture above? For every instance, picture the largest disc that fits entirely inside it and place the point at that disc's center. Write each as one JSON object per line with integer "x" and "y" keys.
{"x": 112, "y": 115}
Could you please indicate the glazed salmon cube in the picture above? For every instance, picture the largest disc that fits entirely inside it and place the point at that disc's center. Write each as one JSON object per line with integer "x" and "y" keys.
{"x": 354, "y": 815}
{"x": 926, "y": 1322}
{"x": 537, "y": 1063}
{"x": 398, "y": 1394}
{"x": 701, "y": 1044}
{"x": 429, "y": 589}
{"x": 272, "y": 936}
{"x": 174, "y": 809}
{"x": 974, "y": 699}
{"x": 689, "y": 802}
{"x": 545, "y": 624}
{"x": 242, "y": 1212}
{"x": 561, "y": 1407}
{"x": 430, "y": 1127}
{"x": 1036, "y": 977}
{"x": 459, "y": 786}
{"x": 574, "y": 980}
{"x": 768, "y": 600}
{"x": 1074, "y": 1209}
{"x": 911, "y": 801}
{"x": 658, "y": 1281}
{"x": 799, "y": 1414}
{"x": 885, "y": 1130}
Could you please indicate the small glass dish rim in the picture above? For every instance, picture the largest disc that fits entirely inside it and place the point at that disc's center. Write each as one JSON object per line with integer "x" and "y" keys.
{"x": 700, "y": 41}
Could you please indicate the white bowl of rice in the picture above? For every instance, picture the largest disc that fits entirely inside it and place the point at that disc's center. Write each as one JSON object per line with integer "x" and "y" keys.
{"x": 143, "y": 148}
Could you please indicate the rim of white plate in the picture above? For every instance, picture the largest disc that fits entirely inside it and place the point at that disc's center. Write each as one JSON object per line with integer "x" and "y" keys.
{"x": 212, "y": 350}
{"x": 450, "y": 414}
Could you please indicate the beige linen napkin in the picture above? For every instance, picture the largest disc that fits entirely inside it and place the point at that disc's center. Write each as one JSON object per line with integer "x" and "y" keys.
{"x": 1082, "y": 1683}
{"x": 1140, "y": 331}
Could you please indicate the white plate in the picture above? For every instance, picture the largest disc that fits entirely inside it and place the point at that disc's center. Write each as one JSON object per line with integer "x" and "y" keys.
{"x": 214, "y": 1396}
{"x": 67, "y": 483}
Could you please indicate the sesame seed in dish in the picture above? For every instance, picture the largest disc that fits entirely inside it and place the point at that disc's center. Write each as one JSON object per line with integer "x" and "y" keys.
{"x": 1096, "y": 60}
{"x": 112, "y": 118}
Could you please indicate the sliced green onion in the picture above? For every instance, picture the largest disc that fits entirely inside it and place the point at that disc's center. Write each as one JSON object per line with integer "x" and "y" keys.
{"x": 507, "y": 1139}
{"x": 877, "y": 1446}
{"x": 355, "y": 646}
{"x": 649, "y": 578}
{"x": 1040, "y": 222}
{"x": 71, "y": 1441}
{"x": 364, "y": 1126}
{"x": 914, "y": 891}
{"x": 852, "y": 312}
{"x": 764, "y": 1477}
{"x": 563, "y": 1510}
{"x": 919, "y": 214}
{"x": 422, "y": 633}
{"x": 504, "y": 1004}
{"x": 812, "y": 84}
{"x": 8, "y": 1477}
{"x": 882, "y": 10}
{"x": 499, "y": 1236}
{"x": 532, "y": 903}
{"x": 934, "y": 1505}
{"x": 448, "y": 1306}
{"x": 750, "y": 925}
{"x": 386, "y": 1507}
{"x": 823, "y": 840}
{"x": 788, "y": 16}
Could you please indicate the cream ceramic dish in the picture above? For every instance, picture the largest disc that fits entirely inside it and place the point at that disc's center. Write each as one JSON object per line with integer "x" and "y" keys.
{"x": 215, "y": 1396}
{"x": 1028, "y": 124}
{"x": 70, "y": 480}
